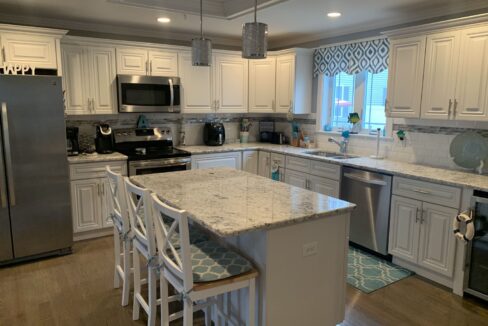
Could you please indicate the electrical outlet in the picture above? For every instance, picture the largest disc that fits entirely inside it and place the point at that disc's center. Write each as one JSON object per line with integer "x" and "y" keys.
{"x": 310, "y": 249}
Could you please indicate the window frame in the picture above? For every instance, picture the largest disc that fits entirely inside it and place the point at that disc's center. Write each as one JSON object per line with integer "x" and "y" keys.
{"x": 325, "y": 102}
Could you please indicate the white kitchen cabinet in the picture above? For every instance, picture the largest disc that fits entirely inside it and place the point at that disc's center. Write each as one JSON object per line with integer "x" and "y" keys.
{"x": 324, "y": 186}
{"x": 264, "y": 164}
{"x": 196, "y": 86}
{"x": 404, "y": 228}
{"x": 89, "y": 79}
{"x": 231, "y": 83}
{"x": 297, "y": 179}
{"x": 420, "y": 232}
{"x": 262, "y": 85}
{"x": 147, "y": 62}
{"x": 441, "y": 60}
{"x": 250, "y": 161}
{"x": 472, "y": 81}
{"x": 218, "y": 160}
{"x": 90, "y": 198}
{"x": 86, "y": 205}
{"x": 405, "y": 74}
{"x": 437, "y": 243}
{"x": 37, "y": 50}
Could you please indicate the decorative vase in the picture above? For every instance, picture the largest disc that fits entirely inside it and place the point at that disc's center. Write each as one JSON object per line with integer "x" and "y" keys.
{"x": 244, "y": 137}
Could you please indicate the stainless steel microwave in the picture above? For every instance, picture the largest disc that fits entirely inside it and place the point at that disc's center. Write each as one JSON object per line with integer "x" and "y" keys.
{"x": 148, "y": 93}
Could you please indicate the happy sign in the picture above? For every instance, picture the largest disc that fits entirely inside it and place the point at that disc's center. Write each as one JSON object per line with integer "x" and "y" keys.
{"x": 18, "y": 69}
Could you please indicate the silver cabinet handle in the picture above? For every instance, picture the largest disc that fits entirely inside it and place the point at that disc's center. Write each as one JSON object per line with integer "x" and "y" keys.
{"x": 449, "y": 109}
{"x": 147, "y": 68}
{"x": 421, "y": 191}
{"x": 217, "y": 105}
{"x": 8, "y": 155}
{"x": 150, "y": 67}
{"x": 171, "y": 93}
{"x": 3, "y": 182}
{"x": 4, "y": 56}
{"x": 417, "y": 215}
{"x": 454, "y": 111}
{"x": 364, "y": 180}
{"x": 273, "y": 104}
{"x": 98, "y": 189}
{"x": 422, "y": 214}
{"x": 103, "y": 189}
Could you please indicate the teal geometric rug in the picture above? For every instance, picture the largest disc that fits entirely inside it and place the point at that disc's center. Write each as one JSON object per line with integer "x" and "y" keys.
{"x": 369, "y": 273}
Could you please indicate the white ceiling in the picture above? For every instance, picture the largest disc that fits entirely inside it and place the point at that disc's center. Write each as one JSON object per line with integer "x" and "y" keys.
{"x": 290, "y": 22}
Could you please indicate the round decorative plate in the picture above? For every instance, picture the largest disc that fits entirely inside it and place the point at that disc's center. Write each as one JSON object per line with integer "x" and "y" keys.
{"x": 469, "y": 149}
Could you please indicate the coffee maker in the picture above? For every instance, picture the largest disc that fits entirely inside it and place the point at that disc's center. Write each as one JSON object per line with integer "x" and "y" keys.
{"x": 72, "y": 143}
{"x": 104, "y": 139}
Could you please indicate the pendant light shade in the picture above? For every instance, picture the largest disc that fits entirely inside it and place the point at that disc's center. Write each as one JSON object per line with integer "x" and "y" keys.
{"x": 201, "y": 48}
{"x": 255, "y": 38}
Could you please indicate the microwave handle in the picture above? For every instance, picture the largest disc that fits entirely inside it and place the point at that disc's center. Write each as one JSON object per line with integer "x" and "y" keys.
{"x": 171, "y": 92}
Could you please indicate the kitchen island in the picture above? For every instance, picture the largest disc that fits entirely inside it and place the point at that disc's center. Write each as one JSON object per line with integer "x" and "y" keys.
{"x": 296, "y": 238}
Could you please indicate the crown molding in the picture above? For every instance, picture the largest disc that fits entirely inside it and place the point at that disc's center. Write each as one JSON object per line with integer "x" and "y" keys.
{"x": 30, "y": 30}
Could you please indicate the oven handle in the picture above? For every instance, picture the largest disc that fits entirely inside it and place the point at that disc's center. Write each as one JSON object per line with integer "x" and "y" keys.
{"x": 148, "y": 164}
{"x": 171, "y": 92}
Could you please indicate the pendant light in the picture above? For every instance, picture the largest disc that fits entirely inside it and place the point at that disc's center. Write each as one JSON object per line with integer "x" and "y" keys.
{"x": 201, "y": 48}
{"x": 255, "y": 38}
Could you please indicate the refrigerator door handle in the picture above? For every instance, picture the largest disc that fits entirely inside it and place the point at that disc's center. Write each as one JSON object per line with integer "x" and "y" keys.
{"x": 3, "y": 183}
{"x": 8, "y": 154}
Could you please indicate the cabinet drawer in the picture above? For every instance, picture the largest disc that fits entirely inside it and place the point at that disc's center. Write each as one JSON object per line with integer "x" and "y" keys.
{"x": 327, "y": 170}
{"x": 298, "y": 164}
{"x": 95, "y": 170}
{"x": 428, "y": 192}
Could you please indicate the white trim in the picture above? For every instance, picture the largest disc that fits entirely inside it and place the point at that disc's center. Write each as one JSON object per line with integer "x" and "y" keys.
{"x": 33, "y": 30}
{"x": 367, "y": 39}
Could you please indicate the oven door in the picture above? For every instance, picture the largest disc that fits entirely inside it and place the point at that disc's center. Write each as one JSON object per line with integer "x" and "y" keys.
{"x": 159, "y": 166}
{"x": 148, "y": 94}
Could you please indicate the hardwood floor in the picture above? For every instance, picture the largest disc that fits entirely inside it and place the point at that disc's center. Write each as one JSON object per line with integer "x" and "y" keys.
{"x": 78, "y": 290}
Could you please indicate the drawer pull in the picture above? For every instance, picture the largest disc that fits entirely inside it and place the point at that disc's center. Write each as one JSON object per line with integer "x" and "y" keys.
{"x": 421, "y": 191}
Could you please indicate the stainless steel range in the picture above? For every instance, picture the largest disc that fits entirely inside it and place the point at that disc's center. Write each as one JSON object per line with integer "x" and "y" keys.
{"x": 151, "y": 150}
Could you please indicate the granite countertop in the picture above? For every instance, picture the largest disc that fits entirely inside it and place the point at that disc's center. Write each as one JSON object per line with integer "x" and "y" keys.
{"x": 95, "y": 157}
{"x": 229, "y": 202}
{"x": 409, "y": 170}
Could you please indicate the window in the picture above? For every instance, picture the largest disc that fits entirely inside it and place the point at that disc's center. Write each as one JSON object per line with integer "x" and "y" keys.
{"x": 364, "y": 93}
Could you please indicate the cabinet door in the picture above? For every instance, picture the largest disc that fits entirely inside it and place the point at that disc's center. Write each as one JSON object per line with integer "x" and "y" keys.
{"x": 472, "y": 81}
{"x": 132, "y": 61}
{"x": 196, "y": 86}
{"x": 405, "y": 75}
{"x": 285, "y": 83}
{"x": 105, "y": 207}
{"x": 36, "y": 50}
{"x": 297, "y": 179}
{"x": 220, "y": 160}
{"x": 437, "y": 243}
{"x": 163, "y": 63}
{"x": 250, "y": 161}
{"x": 231, "y": 83}
{"x": 102, "y": 80}
{"x": 441, "y": 61}
{"x": 324, "y": 186}
{"x": 262, "y": 80}
{"x": 264, "y": 164}
{"x": 75, "y": 79}
{"x": 86, "y": 205}
{"x": 404, "y": 228}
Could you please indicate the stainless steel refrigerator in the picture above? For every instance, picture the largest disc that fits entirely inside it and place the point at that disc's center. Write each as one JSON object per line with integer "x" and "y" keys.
{"x": 35, "y": 213}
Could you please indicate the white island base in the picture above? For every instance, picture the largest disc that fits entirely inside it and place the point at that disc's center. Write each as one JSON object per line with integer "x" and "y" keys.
{"x": 302, "y": 268}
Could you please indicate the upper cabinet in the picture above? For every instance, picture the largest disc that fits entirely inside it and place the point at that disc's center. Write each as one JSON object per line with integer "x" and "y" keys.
{"x": 196, "y": 86}
{"x": 405, "y": 77}
{"x": 144, "y": 62}
{"x": 440, "y": 75}
{"x": 262, "y": 85}
{"x": 231, "y": 83}
{"x": 38, "y": 47}
{"x": 89, "y": 79}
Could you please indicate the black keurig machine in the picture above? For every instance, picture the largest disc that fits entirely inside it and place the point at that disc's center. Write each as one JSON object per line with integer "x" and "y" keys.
{"x": 104, "y": 139}
{"x": 214, "y": 134}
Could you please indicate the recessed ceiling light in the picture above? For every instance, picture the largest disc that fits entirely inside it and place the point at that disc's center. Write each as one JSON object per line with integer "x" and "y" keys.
{"x": 164, "y": 20}
{"x": 334, "y": 14}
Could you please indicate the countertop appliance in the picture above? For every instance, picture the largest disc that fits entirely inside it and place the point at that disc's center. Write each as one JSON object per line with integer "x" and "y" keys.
{"x": 266, "y": 130}
{"x": 148, "y": 93}
{"x": 35, "y": 206}
{"x": 477, "y": 269}
{"x": 278, "y": 138}
{"x": 214, "y": 134}
{"x": 104, "y": 139}
{"x": 72, "y": 143}
{"x": 371, "y": 192}
{"x": 150, "y": 150}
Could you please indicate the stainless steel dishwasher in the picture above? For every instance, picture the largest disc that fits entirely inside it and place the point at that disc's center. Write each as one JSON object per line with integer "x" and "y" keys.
{"x": 371, "y": 192}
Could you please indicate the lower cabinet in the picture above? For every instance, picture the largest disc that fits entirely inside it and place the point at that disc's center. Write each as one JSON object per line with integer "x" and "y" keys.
{"x": 264, "y": 164}
{"x": 420, "y": 233}
{"x": 219, "y": 160}
{"x": 89, "y": 197}
{"x": 250, "y": 161}
{"x": 272, "y": 165}
{"x": 314, "y": 183}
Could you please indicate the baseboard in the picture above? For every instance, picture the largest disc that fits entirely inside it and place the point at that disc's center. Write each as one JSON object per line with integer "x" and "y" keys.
{"x": 93, "y": 234}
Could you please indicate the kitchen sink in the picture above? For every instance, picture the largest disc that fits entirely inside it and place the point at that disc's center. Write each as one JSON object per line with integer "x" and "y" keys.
{"x": 337, "y": 156}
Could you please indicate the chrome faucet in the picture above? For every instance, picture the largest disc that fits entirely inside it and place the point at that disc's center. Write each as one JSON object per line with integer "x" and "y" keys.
{"x": 342, "y": 144}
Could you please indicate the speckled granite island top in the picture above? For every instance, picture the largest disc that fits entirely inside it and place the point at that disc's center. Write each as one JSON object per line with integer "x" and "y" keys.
{"x": 95, "y": 157}
{"x": 229, "y": 202}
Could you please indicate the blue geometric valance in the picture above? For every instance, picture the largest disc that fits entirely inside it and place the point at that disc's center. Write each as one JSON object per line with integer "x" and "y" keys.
{"x": 352, "y": 58}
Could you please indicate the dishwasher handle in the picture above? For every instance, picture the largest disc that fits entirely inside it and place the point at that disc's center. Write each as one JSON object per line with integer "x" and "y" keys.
{"x": 375, "y": 182}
